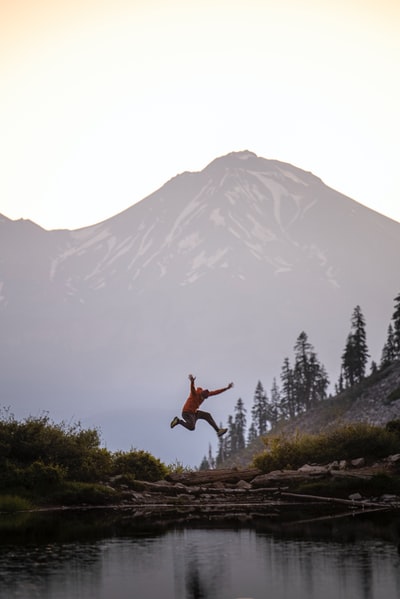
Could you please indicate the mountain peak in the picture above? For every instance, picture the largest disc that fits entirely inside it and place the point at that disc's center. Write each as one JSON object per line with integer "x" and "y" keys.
{"x": 235, "y": 160}
{"x": 216, "y": 271}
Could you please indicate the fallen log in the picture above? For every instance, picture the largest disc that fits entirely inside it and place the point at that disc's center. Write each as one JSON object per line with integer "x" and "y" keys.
{"x": 203, "y": 477}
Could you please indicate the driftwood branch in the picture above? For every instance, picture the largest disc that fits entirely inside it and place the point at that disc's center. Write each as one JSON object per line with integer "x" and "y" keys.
{"x": 353, "y": 503}
{"x": 336, "y": 516}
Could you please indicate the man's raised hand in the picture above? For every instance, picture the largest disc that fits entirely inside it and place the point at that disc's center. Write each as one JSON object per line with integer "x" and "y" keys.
{"x": 230, "y": 385}
{"x": 192, "y": 378}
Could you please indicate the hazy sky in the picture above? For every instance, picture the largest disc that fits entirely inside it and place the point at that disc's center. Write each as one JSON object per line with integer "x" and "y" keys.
{"x": 103, "y": 101}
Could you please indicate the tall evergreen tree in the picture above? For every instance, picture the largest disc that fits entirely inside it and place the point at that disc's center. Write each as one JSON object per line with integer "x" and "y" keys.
{"x": 302, "y": 374}
{"x": 310, "y": 379}
{"x": 240, "y": 424}
{"x": 339, "y": 387}
{"x": 355, "y": 355}
{"x": 396, "y": 326}
{"x": 348, "y": 362}
{"x": 252, "y": 434}
{"x": 259, "y": 411}
{"x": 275, "y": 403}
{"x": 204, "y": 465}
{"x": 287, "y": 404}
{"x": 211, "y": 459}
{"x": 230, "y": 437}
{"x": 389, "y": 349}
{"x": 222, "y": 453}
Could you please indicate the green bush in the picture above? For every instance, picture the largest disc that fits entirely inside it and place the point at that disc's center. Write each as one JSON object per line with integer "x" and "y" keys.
{"x": 347, "y": 442}
{"x": 141, "y": 464}
{"x": 13, "y": 503}
{"x": 78, "y": 493}
{"x": 43, "y": 475}
{"x": 393, "y": 426}
{"x": 343, "y": 487}
{"x": 72, "y": 448}
{"x": 178, "y": 467}
{"x": 39, "y": 457}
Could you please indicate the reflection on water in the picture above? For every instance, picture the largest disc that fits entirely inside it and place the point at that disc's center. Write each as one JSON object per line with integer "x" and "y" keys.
{"x": 70, "y": 556}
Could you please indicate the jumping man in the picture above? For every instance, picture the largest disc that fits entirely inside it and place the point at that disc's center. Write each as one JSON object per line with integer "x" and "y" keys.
{"x": 190, "y": 411}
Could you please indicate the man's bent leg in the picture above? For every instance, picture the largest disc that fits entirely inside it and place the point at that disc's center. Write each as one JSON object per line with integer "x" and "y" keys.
{"x": 189, "y": 420}
{"x": 200, "y": 415}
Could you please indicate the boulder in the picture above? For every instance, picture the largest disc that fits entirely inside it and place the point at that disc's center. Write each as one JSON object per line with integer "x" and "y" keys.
{"x": 358, "y": 463}
{"x": 393, "y": 459}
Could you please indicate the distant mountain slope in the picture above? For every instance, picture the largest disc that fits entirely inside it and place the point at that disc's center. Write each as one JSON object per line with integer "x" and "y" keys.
{"x": 215, "y": 273}
{"x": 375, "y": 401}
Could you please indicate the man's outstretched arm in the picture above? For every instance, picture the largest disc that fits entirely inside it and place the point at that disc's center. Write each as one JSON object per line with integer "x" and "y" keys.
{"x": 217, "y": 391}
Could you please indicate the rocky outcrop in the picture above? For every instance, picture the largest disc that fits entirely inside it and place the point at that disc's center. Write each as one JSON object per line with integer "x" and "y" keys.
{"x": 249, "y": 495}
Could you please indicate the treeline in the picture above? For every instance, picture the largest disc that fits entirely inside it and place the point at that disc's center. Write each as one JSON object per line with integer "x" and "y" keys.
{"x": 304, "y": 383}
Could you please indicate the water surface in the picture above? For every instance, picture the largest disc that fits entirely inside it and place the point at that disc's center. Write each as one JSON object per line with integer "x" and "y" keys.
{"x": 99, "y": 558}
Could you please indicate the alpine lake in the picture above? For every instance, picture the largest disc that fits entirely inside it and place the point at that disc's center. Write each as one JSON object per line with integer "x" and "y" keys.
{"x": 108, "y": 554}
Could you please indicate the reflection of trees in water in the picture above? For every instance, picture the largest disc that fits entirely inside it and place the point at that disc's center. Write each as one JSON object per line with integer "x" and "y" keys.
{"x": 196, "y": 588}
{"x": 354, "y": 561}
{"x": 201, "y": 559}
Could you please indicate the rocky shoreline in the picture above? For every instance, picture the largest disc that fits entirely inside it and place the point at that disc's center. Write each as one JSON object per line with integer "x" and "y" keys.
{"x": 235, "y": 496}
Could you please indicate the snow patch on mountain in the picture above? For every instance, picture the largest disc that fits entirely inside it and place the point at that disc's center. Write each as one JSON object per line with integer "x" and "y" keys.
{"x": 217, "y": 218}
{"x": 286, "y": 174}
{"x": 192, "y": 210}
{"x": 190, "y": 242}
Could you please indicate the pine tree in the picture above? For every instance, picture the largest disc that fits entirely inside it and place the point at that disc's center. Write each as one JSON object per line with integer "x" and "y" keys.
{"x": 259, "y": 411}
{"x": 339, "y": 387}
{"x": 275, "y": 403}
{"x": 348, "y": 362}
{"x": 389, "y": 349}
{"x": 252, "y": 434}
{"x": 396, "y": 327}
{"x": 360, "y": 341}
{"x": 310, "y": 379}
{"x": 302, "y": 373}
{"x": 205, "y": 465}
{"x": 355, "y": 355}
{"x": 287, "y": 404}
{"x": 211, "y": 459}
{"x": 240, "y": 424}
{"x": 230, "y": 437}
{"x": 222, "y": 449}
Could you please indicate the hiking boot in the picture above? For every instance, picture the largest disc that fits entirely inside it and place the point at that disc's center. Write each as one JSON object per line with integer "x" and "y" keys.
{"x": 221, "y": 431}
{"x": 174, "y": 422}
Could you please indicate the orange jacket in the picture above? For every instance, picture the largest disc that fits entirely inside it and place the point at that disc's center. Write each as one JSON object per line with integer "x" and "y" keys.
{"x": 196, "y": 397}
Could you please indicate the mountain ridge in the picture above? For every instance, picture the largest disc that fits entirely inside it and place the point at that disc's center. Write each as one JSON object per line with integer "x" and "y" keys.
{"x": 216, "y": 272}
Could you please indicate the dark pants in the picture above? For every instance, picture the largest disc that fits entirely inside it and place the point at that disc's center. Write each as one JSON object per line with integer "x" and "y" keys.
{"x": 190, "y": 419}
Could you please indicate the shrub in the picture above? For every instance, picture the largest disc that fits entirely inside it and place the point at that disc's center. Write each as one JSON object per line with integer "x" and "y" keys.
{"x": 347, "y": 442}
{"x": 72, "y": 448}
{"x": 77, "y": 493}
{"x": 13, "y": 503}
{"x": 343, "y": 487}
{"x": 141, "y": 464}
{"x": 393, "y": 426}
{"x": 178, "y": 467}
{"x": 43, "y": 475}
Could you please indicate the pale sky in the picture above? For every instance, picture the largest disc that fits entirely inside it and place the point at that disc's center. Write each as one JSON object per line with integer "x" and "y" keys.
{"x": 103, "y": 101}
